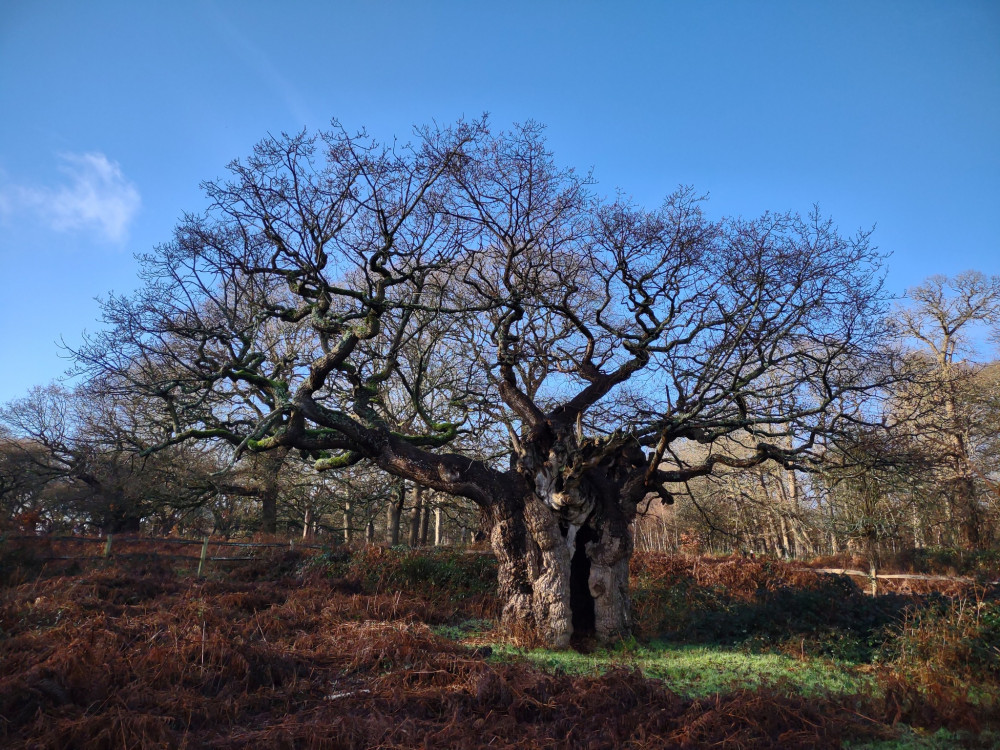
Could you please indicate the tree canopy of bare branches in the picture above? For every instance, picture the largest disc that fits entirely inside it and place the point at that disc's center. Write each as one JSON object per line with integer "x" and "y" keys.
{"x": 416, "y": 306}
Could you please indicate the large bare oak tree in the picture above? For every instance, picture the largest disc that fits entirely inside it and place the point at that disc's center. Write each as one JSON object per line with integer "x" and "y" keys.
{"x": 406, "y": 306}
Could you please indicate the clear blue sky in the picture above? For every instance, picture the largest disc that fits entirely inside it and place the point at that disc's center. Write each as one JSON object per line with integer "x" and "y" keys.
{"x": 111, "y": 113}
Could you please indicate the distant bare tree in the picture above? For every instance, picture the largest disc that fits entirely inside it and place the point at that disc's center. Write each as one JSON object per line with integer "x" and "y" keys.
{"x": 74, "y": 453}
{"x": 940, "y": 318}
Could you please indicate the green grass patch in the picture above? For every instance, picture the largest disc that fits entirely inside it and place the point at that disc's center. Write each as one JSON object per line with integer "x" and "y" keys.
{"x": 697, "y": 670}
{"x": 464, "y": 630}
{"x": 943, "y": 739}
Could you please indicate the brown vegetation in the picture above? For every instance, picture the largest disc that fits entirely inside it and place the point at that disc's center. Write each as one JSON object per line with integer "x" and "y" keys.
{"x": 339, "y": 653}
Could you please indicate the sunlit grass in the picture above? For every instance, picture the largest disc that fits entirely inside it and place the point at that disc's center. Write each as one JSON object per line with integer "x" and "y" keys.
{"x": 697, "y": 671}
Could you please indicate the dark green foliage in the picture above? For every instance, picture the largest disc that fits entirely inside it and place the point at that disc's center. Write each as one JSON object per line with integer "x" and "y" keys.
{"x": 764, "y": 605}
{"x": 18, "y": 562}
{"x": 455, "y": 578}
{"x": 957, "y": 641}
{"x": 949, "y": 562}
{"x": 832, "y": 618}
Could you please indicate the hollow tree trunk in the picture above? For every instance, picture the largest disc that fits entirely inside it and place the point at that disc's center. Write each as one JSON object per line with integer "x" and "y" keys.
{"x": 555, "y": 582}
{"x": 609, "y": 553}
{"x": 533, "y": 573}
{"x": 121, "y": 518}
{"x": 558, "y": 521}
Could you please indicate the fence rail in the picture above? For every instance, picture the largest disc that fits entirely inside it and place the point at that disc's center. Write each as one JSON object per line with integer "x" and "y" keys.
{"x": 899, "y": 576}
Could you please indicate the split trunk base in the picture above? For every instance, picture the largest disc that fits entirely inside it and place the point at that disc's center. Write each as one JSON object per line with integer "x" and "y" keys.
{"x": 557, "y": 581}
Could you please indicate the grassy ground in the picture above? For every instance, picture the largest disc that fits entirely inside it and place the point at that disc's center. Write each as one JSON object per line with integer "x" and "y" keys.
{"x": 697, "y": 671}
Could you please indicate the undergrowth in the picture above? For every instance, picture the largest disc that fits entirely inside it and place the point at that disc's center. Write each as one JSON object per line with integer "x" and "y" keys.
{"x": 396, "y": 648}
{"x": 947, "y": 562}
{"x": 765, "y": 605}
{"x": 457, "y": 585}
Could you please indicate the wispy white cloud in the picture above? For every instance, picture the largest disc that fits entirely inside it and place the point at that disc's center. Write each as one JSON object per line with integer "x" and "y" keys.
{"x": 95, "y": 196}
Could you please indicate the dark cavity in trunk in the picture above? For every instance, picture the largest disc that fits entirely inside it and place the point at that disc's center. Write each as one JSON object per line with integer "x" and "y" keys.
{"x": 581, "y": 601}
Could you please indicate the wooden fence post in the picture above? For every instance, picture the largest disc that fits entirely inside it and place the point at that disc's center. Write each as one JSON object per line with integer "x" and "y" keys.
{"x": 204, "y": 555}
{"x": 107, "y": 546}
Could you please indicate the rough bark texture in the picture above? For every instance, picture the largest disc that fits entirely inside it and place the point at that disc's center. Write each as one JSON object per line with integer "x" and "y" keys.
{"x": 510, "y": 542}
{"x": 268, "y": 467}
{"x": 550, "y": 574}
{"x": 425, "y": 516}
{"x": 418, "y": 504}
{"x": 564, "y": 545}
{"x": 609, "y": 559}
{"x": 395, "y": 510}
{"x": 269, "y": 511}
{"x": 538, "y": 565}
